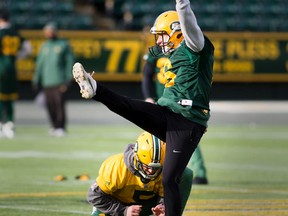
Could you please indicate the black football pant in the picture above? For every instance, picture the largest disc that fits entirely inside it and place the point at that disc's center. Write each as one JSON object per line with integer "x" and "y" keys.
{"x": 55, "y": 103}
{"x": 181, "y": 136}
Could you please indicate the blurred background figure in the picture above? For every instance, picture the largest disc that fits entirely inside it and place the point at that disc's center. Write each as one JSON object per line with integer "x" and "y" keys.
{"x": 152, "y": 86}
{"x": 53, "y": 76}
{"x": 12, "y": 46}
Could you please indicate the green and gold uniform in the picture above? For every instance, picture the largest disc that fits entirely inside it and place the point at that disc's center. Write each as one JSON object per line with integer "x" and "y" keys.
{"x": 184, "y": 82}
{"x": 154, "y": 74}
{"x": 118, "y": 185}
{"x": 181, "y": 115}
{"x": 115, "y": 179}
{"x": 10, "y": 44}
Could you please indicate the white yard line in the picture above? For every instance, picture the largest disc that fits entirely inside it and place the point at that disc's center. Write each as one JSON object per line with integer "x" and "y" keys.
{"x": 28, "y": 208}
{"x": 56, "y": 155}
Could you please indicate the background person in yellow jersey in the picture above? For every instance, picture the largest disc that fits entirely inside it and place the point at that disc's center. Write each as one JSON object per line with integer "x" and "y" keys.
{"x": 152, "y": 85}
{"x": 12, "y": 46}
{"x": 131, "y": 183}
{"x": 53, "y": 76}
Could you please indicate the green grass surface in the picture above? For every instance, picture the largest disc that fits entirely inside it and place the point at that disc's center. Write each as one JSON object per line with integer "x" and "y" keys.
{"x": 247, "y": 170}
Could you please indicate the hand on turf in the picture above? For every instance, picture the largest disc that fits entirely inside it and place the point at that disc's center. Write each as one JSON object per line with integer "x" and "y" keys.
{"x": 134, "y": 210}
{"x": 159, "y": 210}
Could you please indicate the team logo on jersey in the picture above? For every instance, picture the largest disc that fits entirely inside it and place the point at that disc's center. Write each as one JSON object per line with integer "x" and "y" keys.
{"x": 107, "y": 183}
{"x": 175, "y": 26}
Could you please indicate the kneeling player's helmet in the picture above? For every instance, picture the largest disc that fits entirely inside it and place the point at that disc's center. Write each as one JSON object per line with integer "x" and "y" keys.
{"x": 168, "y": 24}
{"x": 149, "y": 156}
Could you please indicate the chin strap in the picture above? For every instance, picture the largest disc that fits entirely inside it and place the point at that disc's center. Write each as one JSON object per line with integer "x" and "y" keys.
{"x": 143, "y": 180}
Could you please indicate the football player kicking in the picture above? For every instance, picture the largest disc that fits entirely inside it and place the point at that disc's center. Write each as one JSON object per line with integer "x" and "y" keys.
{"x": 130, "y": 183}
{"x": 181, "y": 114}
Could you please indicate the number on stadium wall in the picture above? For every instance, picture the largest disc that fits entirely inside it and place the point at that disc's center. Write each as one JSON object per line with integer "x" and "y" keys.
{"x": 117, "y": 48}
{"x": 118, "y": 57}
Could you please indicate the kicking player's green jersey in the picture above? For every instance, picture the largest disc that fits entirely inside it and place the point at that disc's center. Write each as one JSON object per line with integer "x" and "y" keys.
{"x": 116, "y": 180}
{"x": 189, "y": 77}
{"x": 10, "y": 43}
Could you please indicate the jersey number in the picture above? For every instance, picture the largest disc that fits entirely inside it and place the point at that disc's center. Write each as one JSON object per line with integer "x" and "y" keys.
{"x": 169, "y": 76}
{"x": 10, "y": 45}
{"x": 138, "y": 194}
{"x": 160, "y": 64}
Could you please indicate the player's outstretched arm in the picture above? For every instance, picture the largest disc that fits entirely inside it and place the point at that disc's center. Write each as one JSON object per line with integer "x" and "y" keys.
{"x": 192, "y": 33}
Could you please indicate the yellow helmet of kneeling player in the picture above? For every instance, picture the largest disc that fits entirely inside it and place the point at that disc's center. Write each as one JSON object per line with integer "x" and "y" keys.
{"x": 167, "y": 24}
{"x": 149, "y": 156}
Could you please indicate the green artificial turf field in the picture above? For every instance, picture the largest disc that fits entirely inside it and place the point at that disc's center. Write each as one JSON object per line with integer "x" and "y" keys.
{"x": 247, "y": 169}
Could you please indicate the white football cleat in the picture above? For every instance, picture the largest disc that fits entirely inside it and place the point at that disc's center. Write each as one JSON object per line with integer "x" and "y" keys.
{"x": 85, "y": 81}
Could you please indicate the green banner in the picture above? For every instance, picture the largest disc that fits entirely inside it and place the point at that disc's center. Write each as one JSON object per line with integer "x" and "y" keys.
{"x": 256, "y": 57}
{"x": 118, "y": 56}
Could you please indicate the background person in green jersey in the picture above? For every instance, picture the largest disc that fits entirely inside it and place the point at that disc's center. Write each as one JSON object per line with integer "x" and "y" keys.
{"x": 53, "y": 76}
{"x": 12, "y": 46}
{"x": 152, "y": 85}
{"x": 180, "y": 117}
{"x": 130, "y": 183}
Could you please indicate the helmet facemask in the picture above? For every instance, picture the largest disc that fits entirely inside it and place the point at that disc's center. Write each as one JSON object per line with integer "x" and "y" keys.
{"x": 155, "y": 168}
{"x": 166, "y": 46}
{"x": 149, "y": 157}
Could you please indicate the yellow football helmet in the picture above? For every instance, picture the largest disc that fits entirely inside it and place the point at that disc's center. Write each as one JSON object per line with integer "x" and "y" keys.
{"x": 168, "y": 24}
{"x": 149, "y": 156}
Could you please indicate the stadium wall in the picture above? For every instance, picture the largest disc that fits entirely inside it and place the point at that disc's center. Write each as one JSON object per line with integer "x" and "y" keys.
{"x": 247, "y": 65}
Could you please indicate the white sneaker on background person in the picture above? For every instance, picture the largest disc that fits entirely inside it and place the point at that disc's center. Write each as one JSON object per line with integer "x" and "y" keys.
{"x": 1, "y": 134}
{"x": 58, "y": 132}
{"x": 8, "y": 130}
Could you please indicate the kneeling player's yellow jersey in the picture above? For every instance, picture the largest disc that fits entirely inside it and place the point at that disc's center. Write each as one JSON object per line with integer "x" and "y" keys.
{"x": 115, "y": 179}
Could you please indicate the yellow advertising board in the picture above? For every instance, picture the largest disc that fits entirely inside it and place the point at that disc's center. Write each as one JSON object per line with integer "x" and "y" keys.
{"x": 118, "y": 56}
